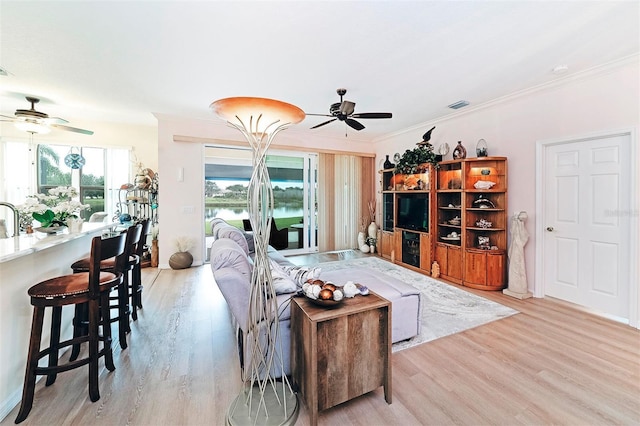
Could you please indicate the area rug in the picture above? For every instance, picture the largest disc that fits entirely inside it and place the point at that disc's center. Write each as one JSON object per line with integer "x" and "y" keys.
{"x": 445, "y": 309}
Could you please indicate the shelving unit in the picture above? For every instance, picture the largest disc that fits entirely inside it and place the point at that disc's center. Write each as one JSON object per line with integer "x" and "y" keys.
{"x": 458, "y": 219}
{"x": 139, "y": 203}
{"x": 475, "y": 192}
{"x": 405, "y": 236}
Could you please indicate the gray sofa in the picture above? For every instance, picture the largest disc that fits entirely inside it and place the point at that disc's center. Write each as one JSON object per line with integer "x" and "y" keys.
{"x": 231, "y": 263}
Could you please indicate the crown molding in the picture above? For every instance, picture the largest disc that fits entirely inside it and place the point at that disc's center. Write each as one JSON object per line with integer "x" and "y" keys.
{"x": 581, "y": 75}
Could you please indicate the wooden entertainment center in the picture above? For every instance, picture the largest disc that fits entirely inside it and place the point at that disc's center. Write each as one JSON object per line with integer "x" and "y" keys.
{"x": 454, "y": 214}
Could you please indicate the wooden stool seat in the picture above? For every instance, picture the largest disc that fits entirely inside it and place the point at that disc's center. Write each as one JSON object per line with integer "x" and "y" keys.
{"x": 90, "y": 289}
{"x": 68, "y": 285}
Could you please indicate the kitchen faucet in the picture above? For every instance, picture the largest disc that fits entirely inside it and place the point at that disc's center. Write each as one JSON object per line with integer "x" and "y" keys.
{"x": 16, "y": 218}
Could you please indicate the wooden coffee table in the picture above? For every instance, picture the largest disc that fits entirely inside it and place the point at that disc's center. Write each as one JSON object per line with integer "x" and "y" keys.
{"x": 340, "y": 353}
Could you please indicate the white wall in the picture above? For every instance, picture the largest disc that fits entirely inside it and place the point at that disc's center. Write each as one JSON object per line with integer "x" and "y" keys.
{"x": 181, "y": 203}
{"x": 602, "y": 100}
{"x": 143, "y": 139}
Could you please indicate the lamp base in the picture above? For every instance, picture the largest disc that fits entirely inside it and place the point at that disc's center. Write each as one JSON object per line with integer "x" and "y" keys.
{"x": 240, "y": 413}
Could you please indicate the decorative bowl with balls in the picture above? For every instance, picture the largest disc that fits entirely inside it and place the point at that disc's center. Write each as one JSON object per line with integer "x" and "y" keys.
{"x": 323, "y": 293}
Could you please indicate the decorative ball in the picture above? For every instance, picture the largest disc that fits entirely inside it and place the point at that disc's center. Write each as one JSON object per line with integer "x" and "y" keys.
{"x": 329, "y": 286}
{"x": 325, "y": 294}
{"x": 364, "y": 248}
{"x": 338, "y": 295}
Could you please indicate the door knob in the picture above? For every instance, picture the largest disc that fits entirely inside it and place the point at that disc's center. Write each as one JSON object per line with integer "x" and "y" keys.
{"x": 550, "y": 228}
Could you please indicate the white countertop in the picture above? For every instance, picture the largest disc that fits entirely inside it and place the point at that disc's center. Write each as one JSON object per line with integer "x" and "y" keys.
{"x": 26, "y": 244}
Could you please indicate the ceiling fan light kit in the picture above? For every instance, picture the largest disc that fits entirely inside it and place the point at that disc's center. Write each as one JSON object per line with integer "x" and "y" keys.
{"x": 344, "y": 111}
{"x": 31, "y": 127}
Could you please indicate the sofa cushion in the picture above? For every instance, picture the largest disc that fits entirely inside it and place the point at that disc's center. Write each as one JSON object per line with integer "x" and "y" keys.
{"x": 226, "y": 253}
{"x": 233, "y": 233}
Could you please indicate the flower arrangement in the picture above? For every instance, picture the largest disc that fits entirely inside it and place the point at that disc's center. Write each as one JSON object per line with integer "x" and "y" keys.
{"x": 184, "y": 244}
{"x": 51, "y": 209}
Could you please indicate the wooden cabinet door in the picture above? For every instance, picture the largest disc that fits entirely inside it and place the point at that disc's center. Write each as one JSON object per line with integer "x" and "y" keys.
{"x": 386, "y": 244}
{"x": 396, "y": 251}
{"x": 496, "y": 269}
{"x": 475, "y": 268}
{"x": 425, "y": 252}
{"x": 454, "y": 262}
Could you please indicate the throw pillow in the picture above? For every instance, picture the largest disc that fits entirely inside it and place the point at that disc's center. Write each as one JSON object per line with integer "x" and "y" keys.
{"x": 282, "y": 282}
{"x": 300, "y": 274}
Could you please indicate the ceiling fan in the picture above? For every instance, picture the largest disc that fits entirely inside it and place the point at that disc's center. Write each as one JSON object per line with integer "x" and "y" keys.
{"x": 344, "y": 111}
{"x": 33, "y": 121}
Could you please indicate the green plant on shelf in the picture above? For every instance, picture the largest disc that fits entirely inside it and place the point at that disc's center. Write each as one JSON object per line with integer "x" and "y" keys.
{"x": 413, "y": 160}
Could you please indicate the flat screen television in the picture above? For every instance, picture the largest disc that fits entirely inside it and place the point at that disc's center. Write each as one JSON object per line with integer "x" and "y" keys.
{"x": 413, "y": 212}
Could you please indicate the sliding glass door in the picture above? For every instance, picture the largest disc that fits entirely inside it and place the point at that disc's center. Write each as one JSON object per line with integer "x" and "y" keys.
{"x": 294, "y": 181}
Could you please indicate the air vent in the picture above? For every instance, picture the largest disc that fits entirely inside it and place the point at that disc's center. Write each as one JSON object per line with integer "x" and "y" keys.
{"x": 458, "y": 105}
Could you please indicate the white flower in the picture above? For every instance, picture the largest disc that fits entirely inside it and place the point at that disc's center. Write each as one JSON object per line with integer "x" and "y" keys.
{"x": 184, "y": 243}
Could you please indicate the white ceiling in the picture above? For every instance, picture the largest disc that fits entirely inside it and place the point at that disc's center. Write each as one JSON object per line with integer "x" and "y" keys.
{"x": 122, "y": 61}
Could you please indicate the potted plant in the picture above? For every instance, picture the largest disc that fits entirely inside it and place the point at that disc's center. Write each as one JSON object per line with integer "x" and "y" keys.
{"x": 413, "y": 160}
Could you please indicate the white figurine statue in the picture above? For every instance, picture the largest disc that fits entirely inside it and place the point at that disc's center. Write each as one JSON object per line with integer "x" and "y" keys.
{"x": 517, "y": 274}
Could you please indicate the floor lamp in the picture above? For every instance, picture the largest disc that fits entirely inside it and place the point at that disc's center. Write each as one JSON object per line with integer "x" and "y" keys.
{"x": 263, "y": 400}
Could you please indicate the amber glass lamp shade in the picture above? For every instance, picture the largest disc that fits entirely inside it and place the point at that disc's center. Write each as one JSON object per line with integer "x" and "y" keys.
{"x": 258, "y": 115}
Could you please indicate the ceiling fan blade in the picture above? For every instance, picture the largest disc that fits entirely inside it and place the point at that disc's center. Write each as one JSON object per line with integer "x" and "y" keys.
{"x": 354, "y": 124}
{"x": 322, "y": 124}
{"x": 71, "y": 129}
{"x": 320, "y": 115}
{"x": 55, "y": 120}
{"x": 347, "y": 107}
{"x": 373, "y": 115}
{"x": 8, "y": 116}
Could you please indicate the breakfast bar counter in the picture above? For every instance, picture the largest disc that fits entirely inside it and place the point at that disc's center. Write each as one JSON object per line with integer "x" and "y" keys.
{"x": 24, "y": 261}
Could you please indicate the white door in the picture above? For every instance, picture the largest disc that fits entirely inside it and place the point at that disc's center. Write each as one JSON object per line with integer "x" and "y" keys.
{"x": 586, "y": 222}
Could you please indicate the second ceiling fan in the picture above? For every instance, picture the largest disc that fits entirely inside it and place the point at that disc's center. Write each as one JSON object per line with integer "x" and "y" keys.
{"x": 344, "y": 111}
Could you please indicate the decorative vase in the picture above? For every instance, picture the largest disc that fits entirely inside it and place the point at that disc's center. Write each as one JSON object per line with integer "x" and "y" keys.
{"x": 361, "y": 239}
{"x": 180, "y": 260}
{"x": 460, "y": 152}
{"x": 364, "y": 248}
{"x": 372, "y": 248}
{"x": 75, "y": 225}
{"x": 388, "y": 164}
{"x": 154, "y": 253}
{"x": 481, "y": 148}
{"x": 372, "y": 230}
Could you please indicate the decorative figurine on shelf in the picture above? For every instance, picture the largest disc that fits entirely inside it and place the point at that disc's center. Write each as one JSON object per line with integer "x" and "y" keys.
{"x": 426, "y": 137}
{"x": 481, "y": 148}
{"x": 388, "y": 164}
{"x": 460, "y": 152}
{"x": 484, "y": 242}
{"x": 435, "y": 269}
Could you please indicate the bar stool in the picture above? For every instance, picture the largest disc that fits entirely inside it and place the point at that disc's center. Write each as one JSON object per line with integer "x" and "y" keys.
{"x": 91, "y": 288}
{"x": 121, "y": 301}
{"x": 136, "y": 275}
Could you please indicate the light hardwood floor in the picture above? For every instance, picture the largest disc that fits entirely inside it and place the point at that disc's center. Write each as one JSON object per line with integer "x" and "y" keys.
{"x": 550, "y": 364}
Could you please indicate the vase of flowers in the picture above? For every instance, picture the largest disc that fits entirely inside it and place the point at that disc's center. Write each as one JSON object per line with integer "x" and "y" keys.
{"x": 52, "y": 210}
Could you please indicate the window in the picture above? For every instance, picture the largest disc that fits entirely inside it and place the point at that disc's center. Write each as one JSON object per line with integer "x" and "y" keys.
{"x": 29, "y": 169}
{"x": 89, "y": 179}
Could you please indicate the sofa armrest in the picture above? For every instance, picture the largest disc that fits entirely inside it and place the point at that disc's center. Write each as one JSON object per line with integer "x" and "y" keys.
{"x": 235, "y": 287}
